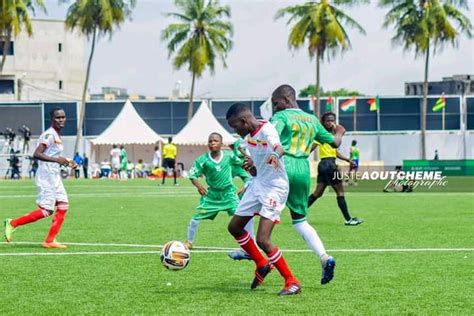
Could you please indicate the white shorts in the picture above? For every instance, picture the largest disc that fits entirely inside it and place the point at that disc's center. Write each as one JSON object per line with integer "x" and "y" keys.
{"x": 116, "y": 163}
{"x": 266, "y": 204}
{"x": 50, "y": 191}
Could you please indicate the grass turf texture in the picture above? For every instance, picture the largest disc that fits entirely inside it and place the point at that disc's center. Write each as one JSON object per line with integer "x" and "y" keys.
{"x": 141, "y": 212}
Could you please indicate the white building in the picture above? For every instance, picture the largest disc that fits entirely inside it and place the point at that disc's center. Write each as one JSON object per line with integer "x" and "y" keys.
{"x": 49, "y": 65}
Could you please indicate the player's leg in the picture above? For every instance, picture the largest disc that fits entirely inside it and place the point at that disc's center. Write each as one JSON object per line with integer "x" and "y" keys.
{"x": 165, "y": 171}
{"x": 11, "y": 224}
{"x": 62, "y": 206}
{"x": 341, "y": 202}
{"x": 318, "y": 192}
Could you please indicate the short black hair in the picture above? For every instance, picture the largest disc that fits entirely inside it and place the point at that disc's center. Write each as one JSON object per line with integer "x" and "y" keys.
{"x": 217, "y": 134}
{"x": 326, "y": 114}
{"x": 170, "y": 139}
{"x": 354, "y": 142}
{"x": 51, "y": 113}
{"x": 285, "y": 90}
{"x": 235, "y": 109}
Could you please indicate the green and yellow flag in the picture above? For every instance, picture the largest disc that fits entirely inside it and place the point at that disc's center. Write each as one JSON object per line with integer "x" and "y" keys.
{"x": 440, "y": 104}
{"x": 374, "y": 103}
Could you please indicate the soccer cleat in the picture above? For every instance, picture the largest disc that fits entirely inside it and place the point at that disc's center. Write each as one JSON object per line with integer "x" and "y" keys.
{"x": 53, "y": 245}
{"x": 292, "y": 287}
{"x": 239, "y": 255}
{"x": 9, "y": 229}
{"x": 328, "y": 270}
{"x": 260, "y": 274}
{"x": 188, "y": 244}
{"x": 353, "y": 222}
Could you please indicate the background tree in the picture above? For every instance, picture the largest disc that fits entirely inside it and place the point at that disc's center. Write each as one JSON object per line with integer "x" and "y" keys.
{"x": 320, "y": 25}
{"x": 426, "y": 26}
{"x": 14, "y": 15}
{"x": 95, "y": 18}
{"x": 342, "y": 92}
{"x": 201, "y": 36}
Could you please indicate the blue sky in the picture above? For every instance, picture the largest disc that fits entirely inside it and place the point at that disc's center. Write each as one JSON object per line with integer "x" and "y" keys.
{"x": 136, "y": 59}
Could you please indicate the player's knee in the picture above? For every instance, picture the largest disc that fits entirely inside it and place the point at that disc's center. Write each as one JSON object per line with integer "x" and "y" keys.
{"x": 62, "y": 206}
{"x": 234, "y": 229}
{"x": 46, "y": 213}
{"x": 264, "y": 243}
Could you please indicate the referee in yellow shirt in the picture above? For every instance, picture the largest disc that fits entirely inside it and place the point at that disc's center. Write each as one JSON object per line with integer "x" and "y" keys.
{"x": 169, "y": 160}
{"x": 328, "y": 172}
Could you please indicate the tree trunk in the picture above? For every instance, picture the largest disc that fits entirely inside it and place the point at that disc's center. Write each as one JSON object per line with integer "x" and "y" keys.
{"x": 6, "y": 48}
{"x": 190, "y": 107}
{"x": 82, "y": 109}
{"x": 317, "y": 106}
{"x": 424, "y": 105}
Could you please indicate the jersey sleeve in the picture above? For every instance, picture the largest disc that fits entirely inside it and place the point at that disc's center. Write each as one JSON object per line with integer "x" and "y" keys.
{"x": 322, "y": 135}
{"x": 272, "y": 136}
{"x": 46, "y": 139}
{"x": 279, "y": 122}
{"x": 197, "y": 169}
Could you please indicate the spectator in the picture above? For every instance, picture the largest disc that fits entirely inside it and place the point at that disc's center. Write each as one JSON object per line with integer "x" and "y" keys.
{"x": 130, "y": 170}
{"x": 78, "y": 160}
{"x": 85, "y": 166}
{"x": 105, "y": 169}
{"x": 157, "y": 158}
{"x": 436, "y": 157}
{"x": 139, "y": 169}
{"x": 33, "y": 167}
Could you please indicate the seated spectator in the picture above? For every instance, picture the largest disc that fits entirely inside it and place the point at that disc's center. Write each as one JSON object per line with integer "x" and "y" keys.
{"x": 105, "y": 169}
{"x": 139, "y": 169}
{"x": 130, "y": 170}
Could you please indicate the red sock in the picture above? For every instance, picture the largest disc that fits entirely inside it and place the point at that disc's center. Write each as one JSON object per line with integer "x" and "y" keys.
{"x": 248, "y": 244}
{"x": 31, "y": 217}
{"x": 276, "y": 258}
{"x": 56, "y": 224}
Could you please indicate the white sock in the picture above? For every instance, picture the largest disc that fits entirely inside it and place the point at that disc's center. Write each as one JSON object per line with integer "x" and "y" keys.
{"x": 311, "y": 237}
{"x": 249, "y": 228}
{"x": 192, "y": 229}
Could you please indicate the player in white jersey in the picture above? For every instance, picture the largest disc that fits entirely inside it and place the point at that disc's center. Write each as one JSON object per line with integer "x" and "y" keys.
{"x": 115, "y": 160}
{"x": 266, "y": 195}
{"x": 51, "y": 192}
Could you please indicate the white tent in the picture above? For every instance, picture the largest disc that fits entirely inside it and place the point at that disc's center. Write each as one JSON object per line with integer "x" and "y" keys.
{"x": 193, "y": 138}
{"x": 130, "y": 130}
{"x": 197, "y": 131}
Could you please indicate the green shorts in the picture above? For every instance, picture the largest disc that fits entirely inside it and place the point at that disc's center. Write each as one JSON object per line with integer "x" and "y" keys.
{"x": 300, "y": 183}
{"x": 216, "y": 201}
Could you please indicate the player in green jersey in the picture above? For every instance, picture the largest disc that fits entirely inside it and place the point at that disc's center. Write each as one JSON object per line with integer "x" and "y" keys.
{"x": 354, "y": 157}
{"x": 239, "y": 150}
{"x": 220, "y": 195}
{"x": 298, "y": 130}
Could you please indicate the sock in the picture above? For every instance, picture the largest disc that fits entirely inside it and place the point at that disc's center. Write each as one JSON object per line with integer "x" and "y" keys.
{"x": 192, "y": 229}
{"x": 276, "y": 258}
{"x": 31, "y": 217}
{"x": 311, "y": 200}
{"x": 311, "y": 237}
{"x": 341, "y": 202}
{"x": 174, "y": 175}
{"x": 56, "y": 224}
{"x": 249, "y": 228}
{"x": 248, "y": 244}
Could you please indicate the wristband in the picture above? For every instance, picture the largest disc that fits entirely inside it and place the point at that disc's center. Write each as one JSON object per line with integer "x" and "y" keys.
{"x": 275, "y": 154}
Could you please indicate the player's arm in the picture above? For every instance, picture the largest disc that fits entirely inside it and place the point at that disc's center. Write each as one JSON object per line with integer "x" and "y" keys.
{"x": 325, "y": 137}
{"x": 194, "y": 173}
{"x": 344, "y": 158}
{"x": 249, "y": 166}
{"x": 278, "y": 150}
{"x": 314, "y": 146}
{"x": 339, "y": 132}
{"x": 201, "y": 189}
{"x": 40, "y": 155}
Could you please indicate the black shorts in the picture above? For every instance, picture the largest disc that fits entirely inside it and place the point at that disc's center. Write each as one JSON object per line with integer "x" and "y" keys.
{"x": 169, "y": 163}
{"x": 328, "y": 172}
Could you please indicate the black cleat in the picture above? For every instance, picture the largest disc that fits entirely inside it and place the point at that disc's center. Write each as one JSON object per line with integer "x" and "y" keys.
{"x": 291, "y": 288}
{"x": 260, "y": 274}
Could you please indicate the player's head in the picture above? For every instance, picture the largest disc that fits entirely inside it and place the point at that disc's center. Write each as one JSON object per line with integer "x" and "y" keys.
{"x": 354, "y": 142}
{"x": 58, "y": 117}
{"x": 241, "y": 119}
{"x": 170, "y": 139}
{"x": 214, "y": 142}
{"x": 121, "y": 147}
{"x": 284, "y": 97}
{"x": 328, "y": 120}
{"x": 156, "y": 148}
{"x": 114, "y": 146}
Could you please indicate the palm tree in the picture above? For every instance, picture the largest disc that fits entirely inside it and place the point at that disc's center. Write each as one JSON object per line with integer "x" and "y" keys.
{"x": 321, "y": 25}
{"x": 13, "y": 16}
{"x": 426, "y": 25}
{"x": 95, "y": 18}
{"x": 200, "y": 37}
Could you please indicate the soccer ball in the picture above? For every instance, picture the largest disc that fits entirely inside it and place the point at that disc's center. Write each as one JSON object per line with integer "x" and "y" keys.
{"x": 174, "y": 255}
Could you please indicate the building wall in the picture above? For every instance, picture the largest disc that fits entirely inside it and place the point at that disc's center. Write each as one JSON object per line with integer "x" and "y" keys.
{"x": 38, "y": 66}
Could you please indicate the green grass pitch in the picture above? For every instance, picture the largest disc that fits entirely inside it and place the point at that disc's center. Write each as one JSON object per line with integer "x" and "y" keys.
{"x": 431, "y": 273}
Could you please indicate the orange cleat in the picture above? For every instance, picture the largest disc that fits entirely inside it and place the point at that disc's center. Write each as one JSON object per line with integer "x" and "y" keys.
{"x": 53, "y": 245}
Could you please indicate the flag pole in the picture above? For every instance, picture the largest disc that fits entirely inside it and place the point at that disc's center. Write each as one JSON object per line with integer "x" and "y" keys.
{"x": 379, "y": 143}
{"x": 354, "y": 120}
{"x": 443, "y": 118}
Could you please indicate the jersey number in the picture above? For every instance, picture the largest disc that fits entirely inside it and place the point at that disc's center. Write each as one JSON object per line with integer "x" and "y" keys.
{"x": 300, "y": 132}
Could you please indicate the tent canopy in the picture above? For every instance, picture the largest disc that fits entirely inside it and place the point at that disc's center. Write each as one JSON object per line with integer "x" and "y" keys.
{"x": 197, "y": 131}
{"x": 128, "y": 128}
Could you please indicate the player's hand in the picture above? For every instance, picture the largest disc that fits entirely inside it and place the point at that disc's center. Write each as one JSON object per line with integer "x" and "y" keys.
{"x": 274, "y": 161}
{"x": 63, "y": 161}
{"x": 202, "y": 190}
{"x": 72, "y": 164}
{"x": 339, "y": 129}
{"x": 248, "y": 163}
{"x": 352, "y": 164}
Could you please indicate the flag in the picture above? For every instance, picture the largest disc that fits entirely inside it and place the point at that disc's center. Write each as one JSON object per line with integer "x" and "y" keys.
{"x": 329, "y": 103}
{"x": 312, "y": 103}
{"x": 440, "y": 104}
{"x": 266, "y": 109}
{"x": 374, "y": 103}
{"x": 349, "y": 105}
